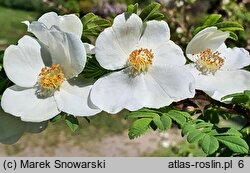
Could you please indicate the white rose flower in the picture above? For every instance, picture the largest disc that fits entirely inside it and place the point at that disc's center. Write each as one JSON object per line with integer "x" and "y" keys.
{"x": 216, "y": 68}
{"x": 151, "y": 74}
{"x": 44, "y": 78}
{"x": 12, "y": 128}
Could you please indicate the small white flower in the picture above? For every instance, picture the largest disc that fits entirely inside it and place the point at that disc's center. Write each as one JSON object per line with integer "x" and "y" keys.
{"x": 216, "y": 68}
{"x": 44, "y": 78}
{"x": 151, "y": 75}
{"x": 12, "y": 128}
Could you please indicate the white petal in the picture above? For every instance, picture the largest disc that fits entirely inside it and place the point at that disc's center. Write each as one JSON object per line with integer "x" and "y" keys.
{"x": 45, "y": 53}
{"x": 24, "y": 103}
{"x": 168, "y": 53}
{"x": 155, "y": 34}
{"x": 120, "y": 90}
{"x": 23, "y": 63}
{"x": 90, "y": 49}
{"x": 40, "y": 31}
{"x": 117, "y": 91}
{"x": 235, "y": 58}
{"x": 66, "y": 49}
{"x": 114, "y": 44}
{"x": 222, "y": 83}
{"x": 177, "y": 82}
{"x": 74, "y": 99}
{"x": 11, "y": 128}
{"x": 228, "y": 82}
{"x": 49, "y": 19}
{"x": 207, "y": 38}
{"x": 68, "y": 23}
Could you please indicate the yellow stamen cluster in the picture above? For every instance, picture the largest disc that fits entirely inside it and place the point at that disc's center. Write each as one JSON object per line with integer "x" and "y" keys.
{"x": 51, "y": 78}
{"x": 140, "y": 59}
{"x": 208, "y": 62}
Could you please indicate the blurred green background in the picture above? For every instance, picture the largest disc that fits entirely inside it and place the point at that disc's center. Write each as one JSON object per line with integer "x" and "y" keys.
{"x": 106, "y": 135}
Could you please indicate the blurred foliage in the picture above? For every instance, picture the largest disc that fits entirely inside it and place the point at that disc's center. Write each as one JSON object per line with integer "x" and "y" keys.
{"x": 11, "y": 27}
{"x": 29, "y": 5}
{"x": 182, "y": 149}
{"x": 183, "y": 16}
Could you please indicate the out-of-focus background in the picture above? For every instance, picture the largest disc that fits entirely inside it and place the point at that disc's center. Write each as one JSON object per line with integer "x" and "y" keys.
{"x": 106, "y": 135}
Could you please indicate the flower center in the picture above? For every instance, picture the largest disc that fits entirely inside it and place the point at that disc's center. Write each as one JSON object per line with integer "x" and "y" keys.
{"x": 50, "y": 79}
{"x": 141, "y": 59}
{"x": 208, "y": 62}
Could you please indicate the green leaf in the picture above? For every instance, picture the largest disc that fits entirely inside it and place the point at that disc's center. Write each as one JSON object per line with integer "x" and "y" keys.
{"x": 213, "y": 132}
{"x": 87, "y": 19}
{"x": 93, "y": 24}
{"x": 139, "y": 127}
{"x": 232, "y": 132}
{"x": 166, "y": 121}
{"x": 212, "y": 19}
{"x": 208, "y": 129}
{"x": 91, "y": 20}
{"x": 133, "y": 115}
{"x": 177, "y": 116}
{"x": 233, "y": 36}
{"x": 187, "y": 128}
{"x": 231, "y": 95}
{"x": 162, "y": 122}
{"x": 246, "y": 131}
{"x": 158, "y": 122}
{"x": 149, "y": 11}
{"x": 185, "y": 114}
{"x": 240, "y": 99}
{"x": 194, "y": 136}
{"x": 156, "y": 16}
{"x": 203, "y": 125}
{"x": 247, "y": 93}
{"x": 93, "y": 69}
{"x": 56, "y": 118}
{"x": 229, "y": 26}
{"x": 211, "y": 115}
{"x": 234, "y": 143}
{"x": 198, "y": 29}
{"x": 132, "y": 8}
{"x": 149, "y": 110}
{"x": 72, "y": 122}
{"x": 209, "y": 144}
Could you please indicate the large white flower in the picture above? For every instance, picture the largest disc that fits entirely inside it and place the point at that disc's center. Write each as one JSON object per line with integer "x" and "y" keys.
{"x": 151, "y": 75}
{"x": 12, "y": 128}
{"x": 44, "y": 77}
{"x": 216, "y": 68}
